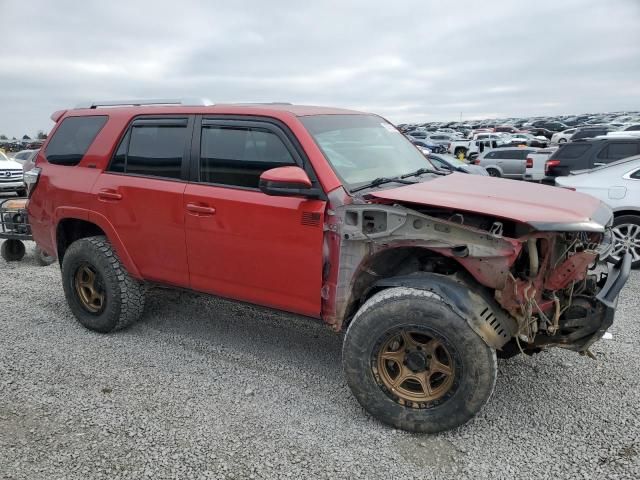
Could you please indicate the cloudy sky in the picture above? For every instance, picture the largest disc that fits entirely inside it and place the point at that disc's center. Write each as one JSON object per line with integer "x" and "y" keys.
{"x": 407, "y": 60}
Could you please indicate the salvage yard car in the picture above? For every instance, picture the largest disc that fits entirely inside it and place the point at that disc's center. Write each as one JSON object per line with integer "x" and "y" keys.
{"x": 331, "y": 214}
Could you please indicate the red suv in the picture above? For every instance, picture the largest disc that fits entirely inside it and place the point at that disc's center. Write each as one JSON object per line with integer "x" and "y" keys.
{"x": 331, "y": 214}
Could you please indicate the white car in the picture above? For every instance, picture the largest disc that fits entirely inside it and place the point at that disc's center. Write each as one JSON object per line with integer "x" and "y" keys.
{"x": 11, "y": 176}
{"x": 562, "y": 137}
{"x": 618, "y": 185}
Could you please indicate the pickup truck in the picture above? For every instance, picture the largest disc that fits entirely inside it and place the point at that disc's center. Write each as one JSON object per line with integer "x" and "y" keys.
{"x": 535, "y": 164}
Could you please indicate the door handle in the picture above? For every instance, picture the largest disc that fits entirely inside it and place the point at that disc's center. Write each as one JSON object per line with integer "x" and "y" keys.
{"x": 202, "y": 210}
{"x": 108, "y": 194}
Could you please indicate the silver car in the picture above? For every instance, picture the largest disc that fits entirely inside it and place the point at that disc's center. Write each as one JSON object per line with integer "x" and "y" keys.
{"x": 505, "y": 162}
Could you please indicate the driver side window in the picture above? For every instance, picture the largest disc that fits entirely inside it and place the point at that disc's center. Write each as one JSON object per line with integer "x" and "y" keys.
{"x": 237, "y": 155}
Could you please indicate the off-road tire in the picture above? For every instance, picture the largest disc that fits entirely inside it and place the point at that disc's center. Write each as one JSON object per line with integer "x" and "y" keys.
{"x": 42, "y": 258}
{"x": 124, "y": 296}
{"x": 12, "y": 250}
{"x": 475, "y": 362}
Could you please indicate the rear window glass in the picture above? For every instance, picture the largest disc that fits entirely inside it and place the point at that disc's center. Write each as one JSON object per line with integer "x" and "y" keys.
{"x": 72, "y": 139}
{"x": 573, "y": 151}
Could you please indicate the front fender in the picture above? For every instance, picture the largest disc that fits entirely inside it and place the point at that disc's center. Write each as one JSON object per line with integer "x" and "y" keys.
{"x": 473, "y": 303}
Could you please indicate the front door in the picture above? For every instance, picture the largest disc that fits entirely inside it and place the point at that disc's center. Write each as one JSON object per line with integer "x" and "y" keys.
{"x": 141, "y": 195}
{"x": 242, "y": 243}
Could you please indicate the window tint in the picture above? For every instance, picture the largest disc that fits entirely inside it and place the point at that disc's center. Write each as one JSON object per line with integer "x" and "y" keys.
{"x": 633, "y": 128}
{"x": 573, "y": 150}
{"x": 590, "y": 133}
{"x": 635, "y": 175}
{"x": 152, "y": 150}
{"x": 616, "y": 151}
{"x": 238, "y": 155}
{"x": 72, "y": 139}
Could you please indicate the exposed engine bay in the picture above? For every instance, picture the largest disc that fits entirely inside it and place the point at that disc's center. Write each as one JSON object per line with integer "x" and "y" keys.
{"x": 528, "y": 289}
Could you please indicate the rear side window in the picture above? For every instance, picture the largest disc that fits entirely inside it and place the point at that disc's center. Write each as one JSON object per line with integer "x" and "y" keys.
{"x": 616, "y": 151}
{"x": 239, "y": 155}
{"x": 573, "y": 150}
{"x": 154, "y": 150}
{"x": 72, "y": 139}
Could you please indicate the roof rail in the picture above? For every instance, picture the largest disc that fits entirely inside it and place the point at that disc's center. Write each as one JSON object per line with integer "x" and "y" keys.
{"x": 193, "y": 102}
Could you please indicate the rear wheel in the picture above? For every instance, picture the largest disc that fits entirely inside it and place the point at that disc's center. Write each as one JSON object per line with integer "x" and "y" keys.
{"x": 562, "y": 140}
{"x": 100, "y": 292}
{"x": 415, "y": 364}
{"x": 626, "y": 238}
{"x": 12, "y": 250}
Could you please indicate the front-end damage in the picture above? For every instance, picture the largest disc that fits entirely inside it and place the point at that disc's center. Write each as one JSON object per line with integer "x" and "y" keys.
{"x": 519, "y": 288}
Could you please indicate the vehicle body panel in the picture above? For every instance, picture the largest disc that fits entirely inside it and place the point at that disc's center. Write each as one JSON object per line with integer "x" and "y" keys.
{"x": 523, "y": 202}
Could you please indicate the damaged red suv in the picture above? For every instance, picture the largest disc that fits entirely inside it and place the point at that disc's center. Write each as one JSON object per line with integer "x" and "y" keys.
{"x": 331, "y": 214}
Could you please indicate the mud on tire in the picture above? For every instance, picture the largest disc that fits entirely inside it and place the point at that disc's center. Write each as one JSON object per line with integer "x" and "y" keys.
{"x": 113, "y": 300}
{"x": 450, "y": 371}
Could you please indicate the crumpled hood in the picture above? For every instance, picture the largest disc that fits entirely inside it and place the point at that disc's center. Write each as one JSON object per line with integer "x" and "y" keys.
{"x": 543, "y": 207}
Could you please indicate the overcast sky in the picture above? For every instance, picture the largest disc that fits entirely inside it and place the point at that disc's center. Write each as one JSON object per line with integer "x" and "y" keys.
{"x": 407, "y": 60}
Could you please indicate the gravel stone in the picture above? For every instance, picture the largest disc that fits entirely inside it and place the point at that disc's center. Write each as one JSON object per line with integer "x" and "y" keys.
{"x": 203, "y": 387}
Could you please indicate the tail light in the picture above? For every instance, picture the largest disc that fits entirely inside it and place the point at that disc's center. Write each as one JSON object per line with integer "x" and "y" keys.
{"x": 549, "y": 164}
{"x": 30, "y": 178}
{"x": 529, "y": 163}
{"x": 476, "y": 161}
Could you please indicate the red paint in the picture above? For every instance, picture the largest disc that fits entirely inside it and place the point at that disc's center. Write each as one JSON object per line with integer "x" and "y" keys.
{"x": 294, "y": 175}
{"x": 521, "y": 201}
{"x": 255, "y": 248}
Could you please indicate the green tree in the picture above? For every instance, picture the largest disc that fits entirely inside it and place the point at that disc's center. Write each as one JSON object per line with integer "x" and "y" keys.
{"x": 41, "y": 135}
{"x": 3, "y": 137}
{"x": 26, "y": 137}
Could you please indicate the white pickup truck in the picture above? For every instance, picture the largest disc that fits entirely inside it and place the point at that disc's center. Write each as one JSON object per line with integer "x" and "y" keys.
{"x": 535, "y": 164}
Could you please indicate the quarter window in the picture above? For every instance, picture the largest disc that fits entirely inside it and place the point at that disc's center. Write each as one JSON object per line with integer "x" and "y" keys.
{"x": 72, "y": 139}
{"x": 616, "y": 151}
{"x": 235, "y": 155}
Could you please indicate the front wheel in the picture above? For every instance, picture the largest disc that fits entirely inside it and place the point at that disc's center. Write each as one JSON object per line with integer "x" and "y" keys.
{"x": 416, "y": 365}
{"x": 626, "y": 238}
{"x": 493, "y": 172}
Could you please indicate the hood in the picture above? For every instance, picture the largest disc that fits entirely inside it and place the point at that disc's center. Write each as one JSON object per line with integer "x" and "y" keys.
{"x": 542, "y": 207}
{"x": 9, "y": 164}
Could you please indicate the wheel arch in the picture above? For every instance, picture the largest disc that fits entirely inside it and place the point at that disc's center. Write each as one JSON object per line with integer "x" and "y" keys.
{"x": 622, "y": 212}
{"x": 469, "y": 300}
{"x": 72, "y": 227}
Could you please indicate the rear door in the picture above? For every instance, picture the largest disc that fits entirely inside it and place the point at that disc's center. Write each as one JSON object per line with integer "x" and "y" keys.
{"x": 242, "y": 243}
{"x": 141, "y": 194}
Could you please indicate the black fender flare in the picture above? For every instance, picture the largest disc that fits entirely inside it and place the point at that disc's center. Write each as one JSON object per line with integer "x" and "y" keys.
{"x": 473, "y": 303}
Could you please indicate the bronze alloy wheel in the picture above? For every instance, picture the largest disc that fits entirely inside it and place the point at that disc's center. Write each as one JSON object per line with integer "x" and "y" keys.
{"x": 90, "y": 288}
{"x": 415, "y": 367}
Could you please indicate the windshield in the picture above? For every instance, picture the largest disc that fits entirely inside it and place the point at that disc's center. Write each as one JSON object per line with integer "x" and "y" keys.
{"x": 362, "y": 148}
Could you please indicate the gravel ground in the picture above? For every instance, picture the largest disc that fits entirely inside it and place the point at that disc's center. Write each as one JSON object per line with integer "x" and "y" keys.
{"x": 205, "y": 388}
